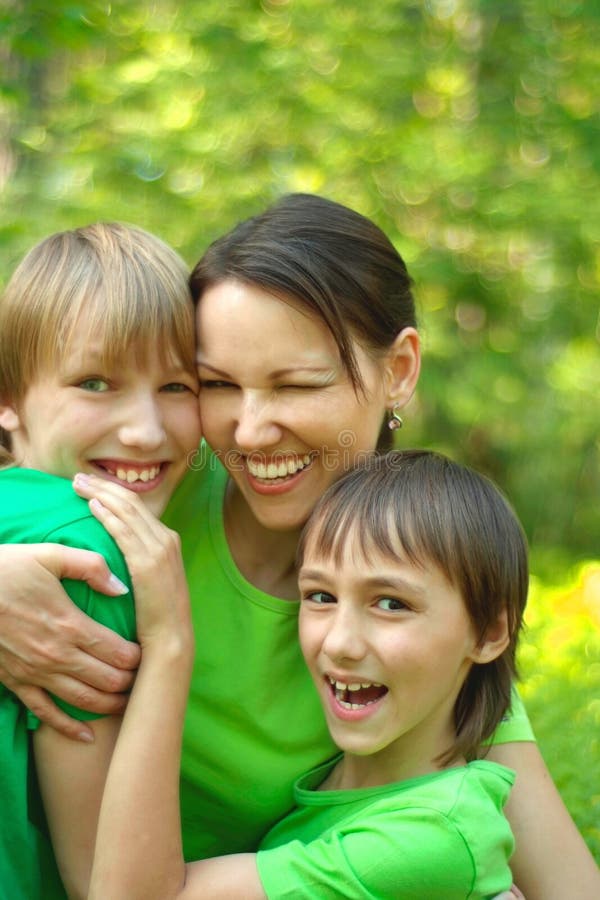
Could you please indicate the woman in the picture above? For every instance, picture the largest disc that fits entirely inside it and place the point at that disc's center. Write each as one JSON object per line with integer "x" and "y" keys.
{"x": 306, "y": 337}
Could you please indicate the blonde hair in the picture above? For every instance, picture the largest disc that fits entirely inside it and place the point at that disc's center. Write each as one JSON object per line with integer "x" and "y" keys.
{"x": 132, "y": 287}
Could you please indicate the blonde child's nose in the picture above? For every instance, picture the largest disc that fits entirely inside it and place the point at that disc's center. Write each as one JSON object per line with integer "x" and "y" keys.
{"x": 144, "y": 426}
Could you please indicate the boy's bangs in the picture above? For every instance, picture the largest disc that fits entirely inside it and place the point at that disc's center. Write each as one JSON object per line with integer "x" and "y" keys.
{"x": 397, "y": 506}
{"x": 369, "y": 523}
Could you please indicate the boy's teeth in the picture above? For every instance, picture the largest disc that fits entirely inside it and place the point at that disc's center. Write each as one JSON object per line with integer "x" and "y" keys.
{"x": 277, "y": 469}
{"x": 348, "y": 693}
{"x": 353, "y": 686}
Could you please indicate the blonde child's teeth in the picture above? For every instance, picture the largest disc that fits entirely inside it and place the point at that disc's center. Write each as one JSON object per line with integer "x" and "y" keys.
{"x": 131, "y": 475}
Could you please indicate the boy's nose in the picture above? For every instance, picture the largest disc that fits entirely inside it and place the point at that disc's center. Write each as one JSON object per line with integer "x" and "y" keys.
{"x": 344, "y": 638}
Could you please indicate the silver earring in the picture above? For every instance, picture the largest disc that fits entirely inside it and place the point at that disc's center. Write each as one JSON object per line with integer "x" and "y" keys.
{"x": 394, "y": 418}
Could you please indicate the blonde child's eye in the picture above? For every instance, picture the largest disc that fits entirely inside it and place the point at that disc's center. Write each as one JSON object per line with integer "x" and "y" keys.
{"x": 390, "y": 604}
{"x": 96, "y": 385}
{"x": 176, "y": 387}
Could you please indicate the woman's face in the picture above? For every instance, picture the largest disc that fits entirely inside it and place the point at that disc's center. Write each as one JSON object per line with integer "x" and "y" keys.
{"x": 278, "y": 406}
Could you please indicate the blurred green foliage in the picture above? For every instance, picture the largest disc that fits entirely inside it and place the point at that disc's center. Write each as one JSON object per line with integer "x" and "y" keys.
{"x": 468, "y": 129}
{"x": 560, "y": 667}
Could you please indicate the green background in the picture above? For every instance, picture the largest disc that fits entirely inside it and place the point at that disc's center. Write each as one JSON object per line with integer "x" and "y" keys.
{"x": 468, "y": 130}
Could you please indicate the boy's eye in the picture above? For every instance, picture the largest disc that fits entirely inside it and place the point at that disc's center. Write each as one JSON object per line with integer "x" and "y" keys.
{"x": 97, "y": 385}
{"x": 320, "y": 597}
{"x": 390, "y": 604}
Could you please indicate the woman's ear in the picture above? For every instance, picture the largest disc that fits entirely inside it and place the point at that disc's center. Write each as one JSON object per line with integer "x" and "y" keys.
{"x": 494, "y": 642}
{"x": 9, "y": 418}
{"x": 402, "y": 366}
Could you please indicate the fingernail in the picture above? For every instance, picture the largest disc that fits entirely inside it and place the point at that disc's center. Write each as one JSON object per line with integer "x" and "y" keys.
{"x": 81, "y": 479}
{"x": 117, "y": 585}
{"x": 86, "y": 736}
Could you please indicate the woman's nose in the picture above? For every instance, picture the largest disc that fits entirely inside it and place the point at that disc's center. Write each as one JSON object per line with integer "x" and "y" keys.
{"x": 256, "y": 427}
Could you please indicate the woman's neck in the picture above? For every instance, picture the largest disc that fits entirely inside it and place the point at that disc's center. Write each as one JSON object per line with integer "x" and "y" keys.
{"x": 265, "y": 558}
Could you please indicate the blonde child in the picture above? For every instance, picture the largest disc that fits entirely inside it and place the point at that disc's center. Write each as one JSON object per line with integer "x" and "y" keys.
{"x": 98, "y": 375}
{"x": 413, "y": 580}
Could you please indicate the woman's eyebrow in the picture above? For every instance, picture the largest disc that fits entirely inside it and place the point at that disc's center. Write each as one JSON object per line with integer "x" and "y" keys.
{"x": 279, "y": 373}
{"x": 205, "y": 365}
{"x": 291, "y": 370}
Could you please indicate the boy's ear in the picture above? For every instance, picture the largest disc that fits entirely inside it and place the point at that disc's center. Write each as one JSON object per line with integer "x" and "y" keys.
{"x": 402, "y": 366}
{"x": 494, "y": 642}
{"x": 9, "y": 417}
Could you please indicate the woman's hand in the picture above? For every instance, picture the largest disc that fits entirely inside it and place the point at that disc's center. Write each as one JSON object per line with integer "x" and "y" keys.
{"x": 153, "y": 555}
{"x": 48, "y": 645}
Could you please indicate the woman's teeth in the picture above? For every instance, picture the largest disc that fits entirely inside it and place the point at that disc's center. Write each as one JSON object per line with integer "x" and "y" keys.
{"x": 278, "y": 469}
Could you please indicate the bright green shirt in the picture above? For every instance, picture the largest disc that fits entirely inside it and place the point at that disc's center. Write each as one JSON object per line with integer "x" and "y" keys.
{"x": 438, "y": 837}
{"x": 34, "y": 508}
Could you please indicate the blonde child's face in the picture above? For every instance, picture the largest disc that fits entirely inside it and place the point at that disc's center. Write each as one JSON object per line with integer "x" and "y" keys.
{"x": 389, "y": 645}
{"x": 132, "y": 425}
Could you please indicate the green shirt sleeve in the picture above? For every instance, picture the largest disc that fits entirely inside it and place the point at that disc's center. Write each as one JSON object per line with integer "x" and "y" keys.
{"x": 418, "y": 856}
{"x": 515, "y": 726}
{"x": 116, "y": 613}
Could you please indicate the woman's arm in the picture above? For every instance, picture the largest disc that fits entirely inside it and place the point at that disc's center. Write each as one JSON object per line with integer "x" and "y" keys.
{"x": 48, "y": 645}
{"x": 138, "y": 849}
{"x": 551, "y": 859}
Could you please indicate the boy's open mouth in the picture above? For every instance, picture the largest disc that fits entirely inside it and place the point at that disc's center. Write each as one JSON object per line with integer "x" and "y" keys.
{"x": 355, "y": 695}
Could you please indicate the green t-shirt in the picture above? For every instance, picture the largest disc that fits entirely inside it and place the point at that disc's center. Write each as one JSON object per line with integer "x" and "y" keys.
{"x": 437, "y": 837}
{"x": 254, "y": 722}
{"x": 39, "y": 508}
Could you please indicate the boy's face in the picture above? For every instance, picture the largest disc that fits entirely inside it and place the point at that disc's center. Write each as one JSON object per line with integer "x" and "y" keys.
{"x": 131, "y": 425}
{"x": 389, "y": 645}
